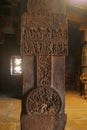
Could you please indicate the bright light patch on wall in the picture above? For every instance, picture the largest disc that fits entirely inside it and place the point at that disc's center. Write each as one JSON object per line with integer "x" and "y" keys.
{"x": 82, "y": 4}
{"x": 16, "y": 65}
{"x": 77, "y": 1}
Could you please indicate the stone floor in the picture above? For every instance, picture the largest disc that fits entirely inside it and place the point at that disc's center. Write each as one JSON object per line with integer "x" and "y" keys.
{"x": 10, "y": 109}
{"x": 76, "y": 109}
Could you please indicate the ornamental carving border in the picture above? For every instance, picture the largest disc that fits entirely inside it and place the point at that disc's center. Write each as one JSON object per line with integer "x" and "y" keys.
{"x": 43, "y": 71}
{"x": 44, "y": 34}
{"x": 43, "y": 100}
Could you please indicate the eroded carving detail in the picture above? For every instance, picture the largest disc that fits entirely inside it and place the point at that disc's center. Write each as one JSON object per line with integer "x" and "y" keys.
{"x": 43, "y": 100}
{"x": 43, "y": 71}
{"x": 44, "y": 34}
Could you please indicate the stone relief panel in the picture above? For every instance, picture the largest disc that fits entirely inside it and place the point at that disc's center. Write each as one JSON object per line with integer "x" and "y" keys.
{"x": 43, "y": 71}
{"x": 43, "y": 100}
{"x": 44, "y": 34}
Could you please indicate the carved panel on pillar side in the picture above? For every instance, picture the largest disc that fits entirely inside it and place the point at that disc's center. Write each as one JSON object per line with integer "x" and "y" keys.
{"x": 44, "y": 34}
{"x": 43, "y": 101}
{"x": 44, "y": 71}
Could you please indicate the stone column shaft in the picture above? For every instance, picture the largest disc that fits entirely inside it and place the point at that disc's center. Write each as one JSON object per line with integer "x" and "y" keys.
{"x": 43, "y": 48}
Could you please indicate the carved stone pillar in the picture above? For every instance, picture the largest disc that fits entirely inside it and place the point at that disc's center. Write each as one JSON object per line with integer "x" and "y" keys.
{"x": 43, "y": 48}
{"x": 83, "y": 76}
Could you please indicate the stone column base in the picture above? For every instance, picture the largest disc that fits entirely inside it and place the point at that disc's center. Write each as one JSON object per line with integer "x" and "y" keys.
{"x": 43, "y": 122}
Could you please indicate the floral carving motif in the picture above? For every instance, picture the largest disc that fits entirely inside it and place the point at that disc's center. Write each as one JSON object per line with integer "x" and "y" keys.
{"x": 43, "y": 100}
{"x": 43, "y": 71}
{"x": 44, "y": 34}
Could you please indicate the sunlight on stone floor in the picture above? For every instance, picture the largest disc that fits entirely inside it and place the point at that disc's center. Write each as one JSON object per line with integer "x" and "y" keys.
{"x": 76, "y": 109}
{"x": 10, "y": 109}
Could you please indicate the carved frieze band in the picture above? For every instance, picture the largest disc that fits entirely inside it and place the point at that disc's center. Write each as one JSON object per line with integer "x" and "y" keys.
{"x": 44, "y": 34}
{"x": 43, "y": 71}
{"x": 43, "y": 100}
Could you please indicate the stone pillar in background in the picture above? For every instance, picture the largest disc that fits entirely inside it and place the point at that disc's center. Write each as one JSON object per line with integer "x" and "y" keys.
{"x": 83, "y": 76}
{"x": 43, "y": 48}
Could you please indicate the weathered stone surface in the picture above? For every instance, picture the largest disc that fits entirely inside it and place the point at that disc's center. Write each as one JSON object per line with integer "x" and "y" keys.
{"x": 55, "y": 6}
{"x": 43, "y": 48}
{"x": 58, "y": 77}
{"x": 28, "y": 73}
{"x": 43, "y": 71}
{"x": 46, "y": 122}
{"x": 43, "y": 101}
{"x": 44, "y": 34}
